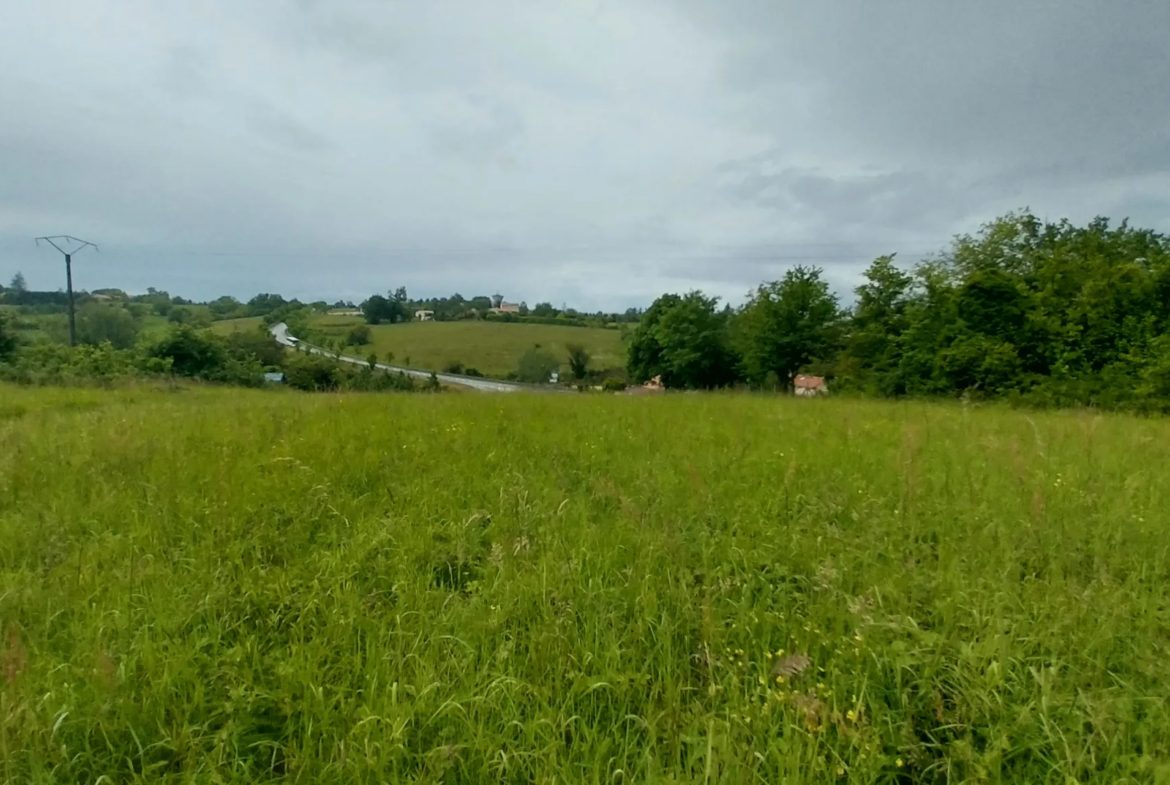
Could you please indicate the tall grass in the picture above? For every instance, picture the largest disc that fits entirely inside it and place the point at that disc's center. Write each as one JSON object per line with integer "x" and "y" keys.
{"x": 237, "y": 586}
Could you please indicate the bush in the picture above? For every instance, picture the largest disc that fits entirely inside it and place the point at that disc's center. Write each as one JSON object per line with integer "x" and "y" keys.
{"x": 455, "y": 367}
{"x": 9, "y": 340}
{"x": 98, "y": 323}
{"x": 257, "y": 345}
{"x": 197, "y": 355}
{"x": 536, "y": 366}
{"x": 578, "y": 360}
{"x": 59, "y": 364}
{"x": 358, "y": 336}
{"x": 369, "y": 380}
{"x": 613, "y": 385}
{"x": 312, "y": 373}
{"x": 192, "y": 354}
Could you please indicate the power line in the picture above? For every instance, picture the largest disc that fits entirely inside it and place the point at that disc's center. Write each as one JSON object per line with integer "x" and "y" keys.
{"x": 80, "y": 246}
{"x": 701, "y": 253}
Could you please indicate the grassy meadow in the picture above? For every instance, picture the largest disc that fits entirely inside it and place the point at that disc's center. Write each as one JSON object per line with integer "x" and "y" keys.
{"x": 492, "y": 348}
{"x": 202, "y": 585}
{"x": 229, "y": 326}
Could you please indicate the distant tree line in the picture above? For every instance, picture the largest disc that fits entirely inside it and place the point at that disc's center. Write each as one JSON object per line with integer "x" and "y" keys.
{"x": 391, "y": 308}
{"x": 397, "y": 306}
{"x": 1044, "y": 313}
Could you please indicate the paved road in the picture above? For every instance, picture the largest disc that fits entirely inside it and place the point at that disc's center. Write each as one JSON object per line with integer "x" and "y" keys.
{"x": 280, "y": 335}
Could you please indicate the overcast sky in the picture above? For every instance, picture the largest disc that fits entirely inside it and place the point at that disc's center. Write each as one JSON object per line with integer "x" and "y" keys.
{"x": 598, "y": 152}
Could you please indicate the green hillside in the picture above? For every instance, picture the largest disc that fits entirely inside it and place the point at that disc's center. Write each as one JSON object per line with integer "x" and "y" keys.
{"x": 229, "y": 326}
{"x": 492, "y": 348}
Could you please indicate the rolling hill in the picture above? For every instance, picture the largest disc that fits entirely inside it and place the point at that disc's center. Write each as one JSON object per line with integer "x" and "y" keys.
{"x": 492, "y": 348}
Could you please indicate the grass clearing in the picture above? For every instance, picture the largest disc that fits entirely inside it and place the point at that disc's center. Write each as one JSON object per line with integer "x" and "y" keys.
{"x": 230, "y": 585}
{"x": 229, "y": 326}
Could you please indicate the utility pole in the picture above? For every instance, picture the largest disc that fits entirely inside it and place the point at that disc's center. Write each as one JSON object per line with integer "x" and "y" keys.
{"x": 80, "y": 245}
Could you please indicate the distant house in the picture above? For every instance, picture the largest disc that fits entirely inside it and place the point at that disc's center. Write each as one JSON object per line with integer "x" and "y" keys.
{"x": 809, "y": 386}
{"x": 506, "y": 308}
{"x": 651, "y": 387}
{"x": 424, "y": 316}
{"x": 274, "y": 378}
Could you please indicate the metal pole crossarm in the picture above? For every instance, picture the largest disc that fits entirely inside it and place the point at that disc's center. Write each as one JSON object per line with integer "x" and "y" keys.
{"x": 81, "y": 245}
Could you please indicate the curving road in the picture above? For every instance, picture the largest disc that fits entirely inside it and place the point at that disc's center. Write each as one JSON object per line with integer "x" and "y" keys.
{"x": 280, "y": 334}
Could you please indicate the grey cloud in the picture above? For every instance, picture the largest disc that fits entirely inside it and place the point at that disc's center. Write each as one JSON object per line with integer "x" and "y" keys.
{"x": 475, "y": 128}
{"x": 284, "y": 129}
{"x": 595, "y": 150}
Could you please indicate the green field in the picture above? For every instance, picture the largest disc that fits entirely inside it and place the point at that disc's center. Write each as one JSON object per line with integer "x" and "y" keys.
{"x": 229, "y": 326}
{"x": 492, "y": 348}
{"x": 202, "y": 585}
{"x": 38, "y": 328}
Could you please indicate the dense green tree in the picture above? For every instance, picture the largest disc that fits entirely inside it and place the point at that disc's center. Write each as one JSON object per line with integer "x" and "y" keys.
{"x": 192, "y": 353}
{"x": 685, "y": 340}
{"x": 227, "y": 307}
{"x": 382, "y": 310}
{"x": 263, "y": 304}
{"x": 786, "y": 325}
{"x": 873, "y": 345}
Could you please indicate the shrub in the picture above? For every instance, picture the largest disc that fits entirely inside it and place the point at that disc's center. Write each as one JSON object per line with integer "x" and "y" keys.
{"x": 98, "y": 323}
{"x": 312, "y": 373}
{"x": 536, "y": 366}
{"x": 613, "y": 385}
{"x": 59, "y": 364}
{"x": 9, "y": 340}
{"x": 198, "y": 355}
{"x": 257, "y": 345}
{"x": 578, "y": 360}
{"x": 358, "y": 336}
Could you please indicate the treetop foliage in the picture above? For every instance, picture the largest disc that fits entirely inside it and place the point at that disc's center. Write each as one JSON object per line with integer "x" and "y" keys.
{"x": 1050, "y": 313}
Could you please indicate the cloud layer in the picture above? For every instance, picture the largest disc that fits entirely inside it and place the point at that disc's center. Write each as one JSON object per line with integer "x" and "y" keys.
{"x": 595, "y": 152}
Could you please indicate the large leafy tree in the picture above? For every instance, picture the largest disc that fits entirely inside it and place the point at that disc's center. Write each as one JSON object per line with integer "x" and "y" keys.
{"x": 378, "y": 309}
{"x": 873, "y": 347}
{"x": 685, "y": 340}
{"x": 787, "y": 324}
